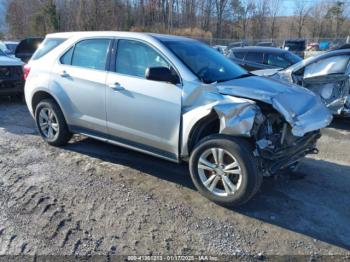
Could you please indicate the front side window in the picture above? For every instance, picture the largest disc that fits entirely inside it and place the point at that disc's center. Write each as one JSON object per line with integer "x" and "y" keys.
{"x": 134, "y": 57}
{"x": 205, "y": 62}
{"x": 90, "y": 53}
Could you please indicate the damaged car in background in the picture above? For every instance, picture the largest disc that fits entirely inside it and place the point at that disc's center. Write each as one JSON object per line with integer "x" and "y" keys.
{"x": 11, "y": 76}
{"x": 174, "y": 98}
{"x": 327, "y": 75}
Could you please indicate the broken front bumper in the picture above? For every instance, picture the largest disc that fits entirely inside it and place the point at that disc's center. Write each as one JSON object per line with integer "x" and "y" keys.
{"x": 272, "y": 161}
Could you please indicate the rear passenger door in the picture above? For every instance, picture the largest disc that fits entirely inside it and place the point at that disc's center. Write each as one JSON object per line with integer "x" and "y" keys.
{"x": 80, "y": 77}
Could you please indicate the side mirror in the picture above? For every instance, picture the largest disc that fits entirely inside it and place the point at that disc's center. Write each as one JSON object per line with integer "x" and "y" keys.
{"x": 162, "y": 74}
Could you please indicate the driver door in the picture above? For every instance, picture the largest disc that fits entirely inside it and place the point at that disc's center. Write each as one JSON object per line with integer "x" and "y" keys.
{"x": 142, "y": 113}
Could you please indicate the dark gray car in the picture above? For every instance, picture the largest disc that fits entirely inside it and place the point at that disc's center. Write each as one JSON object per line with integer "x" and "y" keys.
{"x": 258, "y": 57}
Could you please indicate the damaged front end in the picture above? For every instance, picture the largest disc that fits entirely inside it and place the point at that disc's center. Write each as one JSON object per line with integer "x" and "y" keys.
{"x": 327, "y": 77}
{"x": 277, "y": 148}
{"x": 281, "y": 121}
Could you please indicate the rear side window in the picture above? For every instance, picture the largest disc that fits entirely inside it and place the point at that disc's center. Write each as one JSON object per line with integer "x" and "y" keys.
{"x": 90, "y": 53}
{"x": 276, "y": 60}
{"x": 46, "y": 46}
{"x": 239, "y": 55}
{"x": 255, "y": 57}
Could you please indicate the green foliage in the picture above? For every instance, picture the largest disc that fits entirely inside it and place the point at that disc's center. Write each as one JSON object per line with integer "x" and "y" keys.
{"x": 46, "y": 19}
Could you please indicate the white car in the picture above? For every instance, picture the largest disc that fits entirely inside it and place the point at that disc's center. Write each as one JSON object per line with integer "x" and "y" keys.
{"x": 174, "y": 98}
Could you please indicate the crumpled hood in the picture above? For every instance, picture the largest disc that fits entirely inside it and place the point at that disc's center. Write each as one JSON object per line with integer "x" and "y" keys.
{"x": 8, "y": 61}
{"x": 301, "y": 108}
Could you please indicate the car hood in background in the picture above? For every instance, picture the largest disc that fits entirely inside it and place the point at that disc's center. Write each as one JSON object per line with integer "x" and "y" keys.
{"x": 27, "y": 47}
{"x": 266, "y": 72}
{"x": 301, "y": 108}
{"x": 8, "y": 61}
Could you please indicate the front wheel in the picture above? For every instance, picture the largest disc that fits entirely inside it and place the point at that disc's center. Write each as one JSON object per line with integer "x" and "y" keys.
{"x": 51, "y": 123}
{"x": 224, "y": 170}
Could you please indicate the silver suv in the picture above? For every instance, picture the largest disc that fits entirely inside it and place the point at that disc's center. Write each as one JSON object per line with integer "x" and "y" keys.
{"x": 174, "y": 98}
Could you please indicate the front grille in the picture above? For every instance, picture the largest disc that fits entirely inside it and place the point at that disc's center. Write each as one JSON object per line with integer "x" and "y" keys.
{"x": 11, "y": 72}
{"x": 11, "y": 84}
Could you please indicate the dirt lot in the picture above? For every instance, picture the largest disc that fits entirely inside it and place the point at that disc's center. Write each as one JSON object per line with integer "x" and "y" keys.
{"x": 93, "y": 198}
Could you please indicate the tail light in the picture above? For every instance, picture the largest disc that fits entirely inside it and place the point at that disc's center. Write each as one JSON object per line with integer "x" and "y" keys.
{"x": 26, "y": 71}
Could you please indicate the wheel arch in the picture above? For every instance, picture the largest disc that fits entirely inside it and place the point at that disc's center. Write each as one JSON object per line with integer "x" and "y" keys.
{"x": 40, "y": 95}
{"x": 205, "y": 126}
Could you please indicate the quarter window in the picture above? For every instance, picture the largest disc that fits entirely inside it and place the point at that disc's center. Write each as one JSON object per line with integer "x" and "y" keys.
{"x": 90, "y": 53}
{"x": 66, "y": 59}
{"x": 133, "y": 58}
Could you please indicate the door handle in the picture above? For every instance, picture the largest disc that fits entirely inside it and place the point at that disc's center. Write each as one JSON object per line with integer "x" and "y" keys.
{"x": 116, "y": 86}
{"x": 64, "y": 74}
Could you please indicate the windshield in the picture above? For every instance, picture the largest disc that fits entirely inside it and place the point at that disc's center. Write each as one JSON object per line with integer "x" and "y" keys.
{"x": 205, "y": 62}
{"x": 11, "y": 47}
{"x": 2, "y": 53}
{"x": 3, "y": 47}
{"x": 292, "y": 57}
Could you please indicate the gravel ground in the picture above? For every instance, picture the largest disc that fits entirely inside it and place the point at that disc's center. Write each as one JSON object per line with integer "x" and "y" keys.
{"x": 91, "y": 198}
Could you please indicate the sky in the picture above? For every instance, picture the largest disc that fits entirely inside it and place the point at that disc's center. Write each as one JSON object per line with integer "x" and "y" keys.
{"x": 288, "y": 5}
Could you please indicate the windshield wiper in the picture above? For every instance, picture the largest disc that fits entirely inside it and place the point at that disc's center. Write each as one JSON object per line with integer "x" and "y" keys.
{"x": 244, "y": 75}
{"x": 237, "y": 77}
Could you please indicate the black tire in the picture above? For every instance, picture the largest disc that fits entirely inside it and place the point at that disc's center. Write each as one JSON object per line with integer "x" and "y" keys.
{"x": 63, "y": 135}
{"x": 243, "y": 152}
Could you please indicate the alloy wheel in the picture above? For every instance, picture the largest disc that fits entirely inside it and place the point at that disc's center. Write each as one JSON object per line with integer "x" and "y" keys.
{"x": 48, "y": 123}
{"x": 219, "y": 171}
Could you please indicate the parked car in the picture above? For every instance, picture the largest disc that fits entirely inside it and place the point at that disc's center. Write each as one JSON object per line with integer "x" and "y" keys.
{"x": 220, "y": 48}
{"x": 4, "y": 49}
{"x": 297, "y": 46}
{"x": 255, "y": 58}
{"x": 26, "y": 48}
{"x": 237, "y": 44}
{"x": 11, "y": 46}
{"x": 11, "y": 76}
{"x": 174, "y": 98}
{"x": 266, "y": 44}
{"x": 313, "y": 47}
{"x": 326, "y": 74}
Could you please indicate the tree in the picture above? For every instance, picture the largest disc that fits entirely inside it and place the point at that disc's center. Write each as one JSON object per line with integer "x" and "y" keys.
{"x": 274, "y": 9}
{"x": 301, "y": 12}
{"x": 242, "y": 11}
{"x": 336, "y": 13}
{"x": 46, "y": 19}
{"x": 220, "y": 6}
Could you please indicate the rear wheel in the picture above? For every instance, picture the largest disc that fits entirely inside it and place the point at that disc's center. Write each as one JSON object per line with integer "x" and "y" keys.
{"x": 224, "y": 170}
{"x": 51, "y": 123}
